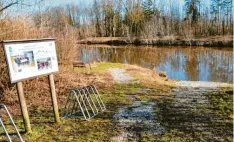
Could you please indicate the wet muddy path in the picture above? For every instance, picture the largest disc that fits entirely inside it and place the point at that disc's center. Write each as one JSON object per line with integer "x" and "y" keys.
{"x": 137, "y": 120}
{"x": 190, "y": 114}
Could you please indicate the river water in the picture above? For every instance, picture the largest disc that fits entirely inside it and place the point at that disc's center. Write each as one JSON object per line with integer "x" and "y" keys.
{"x": 181, "y": 63}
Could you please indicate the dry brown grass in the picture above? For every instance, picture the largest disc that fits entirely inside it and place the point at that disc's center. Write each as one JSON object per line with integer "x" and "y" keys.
{"x": 37, "y": 90}
{"x": 148, "y": 77}
{"x": 4, "y": 78}
{"x": 149, "y": 41}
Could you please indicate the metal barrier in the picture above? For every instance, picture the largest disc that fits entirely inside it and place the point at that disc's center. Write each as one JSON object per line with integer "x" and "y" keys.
{"x": 87, "y": 99}
{"x": 2, "y": 106}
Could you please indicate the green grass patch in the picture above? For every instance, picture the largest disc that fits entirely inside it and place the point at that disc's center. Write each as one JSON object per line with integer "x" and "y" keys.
{"x": 99, "y": 128}
{"x": 174, "y": 135}
{"x": 221, "y": 103}
{"x": 100, "y": 67}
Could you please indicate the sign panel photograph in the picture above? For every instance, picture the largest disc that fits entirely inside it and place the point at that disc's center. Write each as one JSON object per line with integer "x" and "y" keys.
{"x": 30, "y": 59}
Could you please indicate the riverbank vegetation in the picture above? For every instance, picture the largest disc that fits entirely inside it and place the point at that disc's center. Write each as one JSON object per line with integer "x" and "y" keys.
{"x": 177, "y": 121}
{"x": 170, "y": 22}
{"x": 130, "y": 19}
{"x": 37, "y": 90}
{"x": 210, "y": 41}
{"x": 102, "y": 128}
{"x": 148, "y": 88}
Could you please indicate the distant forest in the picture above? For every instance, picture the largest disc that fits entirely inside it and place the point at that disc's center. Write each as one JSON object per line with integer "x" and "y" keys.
{"x": 119, "y": 18}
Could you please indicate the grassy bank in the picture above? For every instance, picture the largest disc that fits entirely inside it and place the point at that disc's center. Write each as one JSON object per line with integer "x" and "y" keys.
{"x": 37, "y": 92}
{"x": 100, "y": 128}
{"x": 212, "y": 41}
{"x": 148, "y": 87}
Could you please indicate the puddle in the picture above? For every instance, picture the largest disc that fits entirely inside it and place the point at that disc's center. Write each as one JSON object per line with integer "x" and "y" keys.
{"x": 137, "y": 120}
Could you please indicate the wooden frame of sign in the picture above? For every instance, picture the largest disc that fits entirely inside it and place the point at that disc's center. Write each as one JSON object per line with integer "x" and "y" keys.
{"x": 28, "y": 59}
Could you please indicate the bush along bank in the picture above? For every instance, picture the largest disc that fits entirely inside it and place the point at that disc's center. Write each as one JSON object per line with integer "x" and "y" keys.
{"x": 215, "y": 42}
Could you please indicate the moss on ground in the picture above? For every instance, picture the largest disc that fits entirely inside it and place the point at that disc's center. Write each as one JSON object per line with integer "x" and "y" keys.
{"x": 204, "y": 122}
{"x": 100, "y": 128}
{"x": 103, "y": 127}
{"x": 221, "y": 103}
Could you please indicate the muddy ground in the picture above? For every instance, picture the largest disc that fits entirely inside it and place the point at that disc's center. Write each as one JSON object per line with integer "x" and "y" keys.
{"x": 136, "y": 111}
{"x": 190, "y": 114}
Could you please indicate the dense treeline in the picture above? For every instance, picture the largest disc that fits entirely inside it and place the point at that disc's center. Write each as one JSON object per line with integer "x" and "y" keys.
{"x": 148, "y": 18}
{"x": 151, "y": 18}
{"x": 133, "y": 18}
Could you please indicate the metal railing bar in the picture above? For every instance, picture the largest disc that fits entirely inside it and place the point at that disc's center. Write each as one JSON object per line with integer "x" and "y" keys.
{"x": 89, "y": 95}
{"x": 96, "y": 97}
{"x": 80, "y": 105}
{"x": 4, "y": 128}
{"x": 83, "y": 102}
{"x": 99, "y": 96}
{"x": 12, "y": 122}
{"x": 88, "y": 101}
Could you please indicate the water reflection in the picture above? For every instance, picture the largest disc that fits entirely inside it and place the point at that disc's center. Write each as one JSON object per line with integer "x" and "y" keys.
{"x": 183, "y": 63}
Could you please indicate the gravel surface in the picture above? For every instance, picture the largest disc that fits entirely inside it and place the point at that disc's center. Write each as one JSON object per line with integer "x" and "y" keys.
{"x": 198, "y": 84}
{"x": 119, "y": 75}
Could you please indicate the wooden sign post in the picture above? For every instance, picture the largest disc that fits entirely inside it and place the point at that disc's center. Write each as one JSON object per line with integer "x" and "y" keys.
{"x": 54, "y": 98}
{"x": 23, "y": 106}
{"x": 32, "y": 58}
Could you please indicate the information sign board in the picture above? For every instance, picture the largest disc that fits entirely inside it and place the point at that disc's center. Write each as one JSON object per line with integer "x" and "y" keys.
{"x": 30, "y": 59}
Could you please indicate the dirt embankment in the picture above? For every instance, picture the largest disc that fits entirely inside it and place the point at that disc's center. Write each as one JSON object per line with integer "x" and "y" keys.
{"x": 214, "y": 41}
